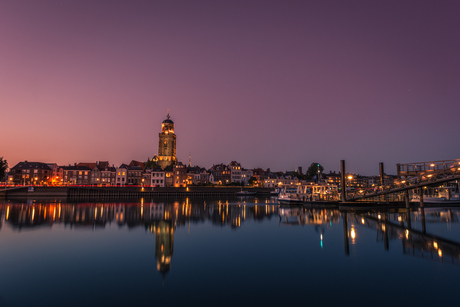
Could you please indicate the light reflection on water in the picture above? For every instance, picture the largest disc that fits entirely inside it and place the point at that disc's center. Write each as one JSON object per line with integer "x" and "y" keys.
{"x": 175, "y": 252}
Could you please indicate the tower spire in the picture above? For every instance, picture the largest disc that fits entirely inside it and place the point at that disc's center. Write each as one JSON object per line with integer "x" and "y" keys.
{"x": 190, "y": 159}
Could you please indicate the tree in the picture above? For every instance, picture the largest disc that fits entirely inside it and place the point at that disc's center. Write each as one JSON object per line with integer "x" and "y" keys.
{"x": 3, "y": 168}
{"x": 150, "y": 164}
{"x": 252, "y": 181}
{"x": 313, "y": 170}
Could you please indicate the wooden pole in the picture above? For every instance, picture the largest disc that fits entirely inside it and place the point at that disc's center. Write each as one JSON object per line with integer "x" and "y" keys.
{"x": 382, "y": 174}
{"x": 421, "y": 198}
{"x": 343, "y": 180}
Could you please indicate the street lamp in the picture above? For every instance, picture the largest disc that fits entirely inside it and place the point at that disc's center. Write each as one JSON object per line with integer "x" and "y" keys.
{"x": 319, "y": 171}
{"x": 350, "y": 177}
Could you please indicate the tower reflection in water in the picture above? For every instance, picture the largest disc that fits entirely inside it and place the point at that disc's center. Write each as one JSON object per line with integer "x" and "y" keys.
{"x": 160, "y": 218}
{"x": 164, "y": 242}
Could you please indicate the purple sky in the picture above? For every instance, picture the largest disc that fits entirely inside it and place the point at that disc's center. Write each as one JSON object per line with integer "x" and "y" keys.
{"x": 276, "y": 84}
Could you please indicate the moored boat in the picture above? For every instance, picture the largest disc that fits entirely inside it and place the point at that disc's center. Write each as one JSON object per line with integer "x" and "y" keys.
{"x": 439, "y": 195}
{"x": 276, "y": 192}
{"x": 295, "y": 195}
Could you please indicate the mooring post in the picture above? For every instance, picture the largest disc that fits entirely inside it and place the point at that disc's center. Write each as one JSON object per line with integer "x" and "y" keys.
{"x": 343, "y": 182}
{"x": 421, "y": 198}
{"x": 382, "y": 178}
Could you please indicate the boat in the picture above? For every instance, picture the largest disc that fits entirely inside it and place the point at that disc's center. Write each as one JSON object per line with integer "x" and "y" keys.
{"x": 439, "y": 195}
{"x": 276, "y": 192}
{"x": 292, "y": 195}
{"x": 435, "y": 200}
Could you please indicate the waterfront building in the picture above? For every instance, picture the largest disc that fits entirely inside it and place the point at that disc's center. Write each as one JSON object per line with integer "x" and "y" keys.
{"x": 281, "y": 181}
{"x": 78, "y": 175}
{"x": 196, "y": 175}
{"x": 260, "y": 175}
{"x": 169, "y": 175}
{"x": 137, "y": 163}
{"x": 155, "y": 177}
{"x": 211, "y": 178}
{"x": 179, "y": 175}
{"x": 108, "y": 175}
{"x": 96, "y": 176}
{"x": 27, "y": 173}
{"x": 134, "y": 175}
{"x": 57, "y": 173}
{"x": 333, "y": 178}
{"x": 121, "y": 177}
{"x": 246, "y": 175}
{"x": 102, "y": 174}
{"x": 221, "y": 174}
{"x": 167, "y": 144}
{"x": 204, "y": 176}
{"x": 91, "y": 165}
{"x": 235, "y": 172}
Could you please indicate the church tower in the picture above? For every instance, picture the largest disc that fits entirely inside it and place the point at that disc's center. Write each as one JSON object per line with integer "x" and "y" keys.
{"x": 167, "y": 144}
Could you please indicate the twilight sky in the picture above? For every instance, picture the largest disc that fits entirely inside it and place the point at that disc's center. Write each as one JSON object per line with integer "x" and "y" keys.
{"x": 276, "y": 84}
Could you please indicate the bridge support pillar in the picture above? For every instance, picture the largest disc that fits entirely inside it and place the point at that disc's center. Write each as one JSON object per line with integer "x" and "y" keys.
{"x": 422, "y": 205}
{"x": 343, "y": 181}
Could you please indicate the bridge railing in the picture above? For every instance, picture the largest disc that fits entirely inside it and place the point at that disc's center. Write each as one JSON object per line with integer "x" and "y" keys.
{"x": 415, "y": 169}
{"x": 402, "y": 184}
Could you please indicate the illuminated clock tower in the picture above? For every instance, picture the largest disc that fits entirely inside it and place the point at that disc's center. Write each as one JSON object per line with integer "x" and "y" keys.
{"x": 167, "y": 144}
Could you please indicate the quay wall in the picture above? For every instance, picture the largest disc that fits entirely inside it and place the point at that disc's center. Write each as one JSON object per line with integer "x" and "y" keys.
{"x": 114, "y": 193}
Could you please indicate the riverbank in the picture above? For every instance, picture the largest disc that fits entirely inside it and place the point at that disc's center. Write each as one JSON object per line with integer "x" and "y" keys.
{"x": 114, "y": 193}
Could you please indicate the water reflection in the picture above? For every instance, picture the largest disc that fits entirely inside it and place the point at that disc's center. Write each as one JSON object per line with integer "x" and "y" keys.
{"x": 160, "y": 218}
{"x": 410, "y": 228}
{"x": 163, "y": 218}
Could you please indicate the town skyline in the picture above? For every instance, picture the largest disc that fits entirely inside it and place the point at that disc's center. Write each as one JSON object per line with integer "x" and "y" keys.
{"x": 266, "y": 83}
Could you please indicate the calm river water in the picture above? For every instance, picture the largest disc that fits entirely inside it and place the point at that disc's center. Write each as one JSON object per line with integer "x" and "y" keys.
{"x": 238, "y": 252}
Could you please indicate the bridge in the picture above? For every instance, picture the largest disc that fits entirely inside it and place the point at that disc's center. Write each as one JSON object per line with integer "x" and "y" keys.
{"x": 411, "y": 176}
